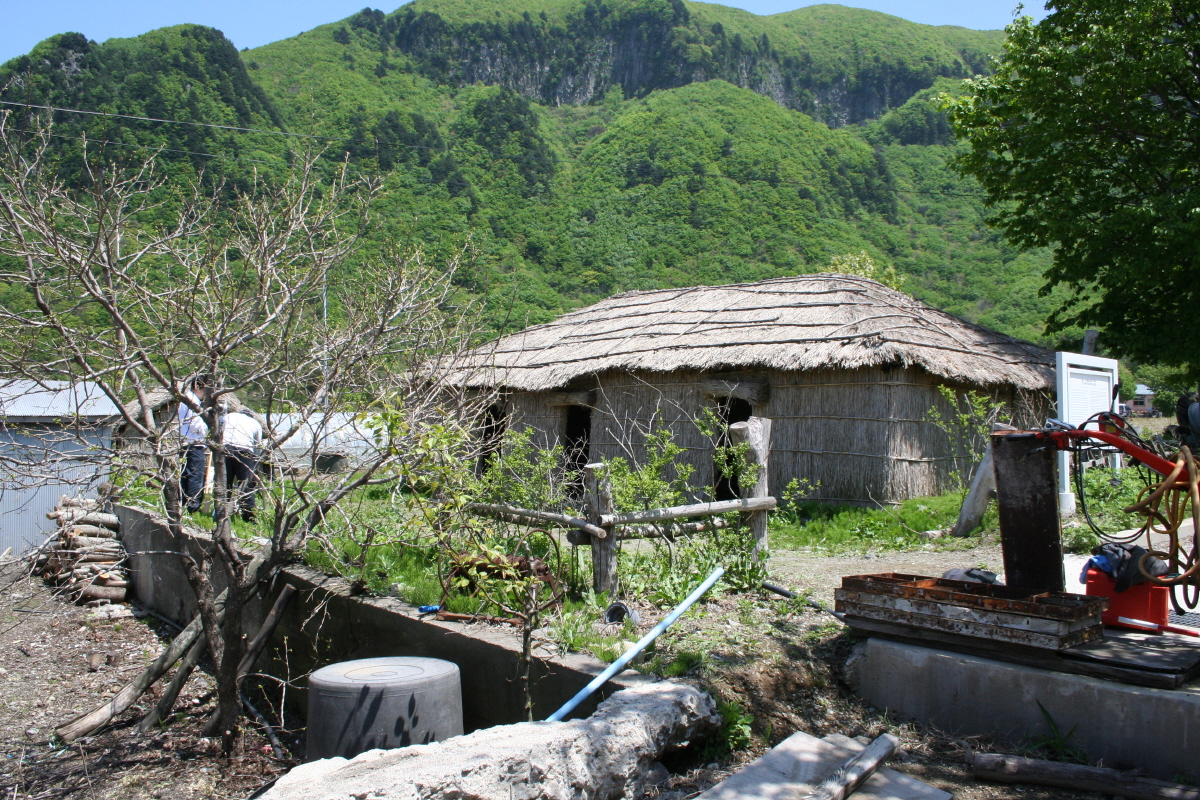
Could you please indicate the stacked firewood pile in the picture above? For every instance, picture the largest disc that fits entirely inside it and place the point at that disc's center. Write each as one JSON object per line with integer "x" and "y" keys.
{"x": 86, "y": 559}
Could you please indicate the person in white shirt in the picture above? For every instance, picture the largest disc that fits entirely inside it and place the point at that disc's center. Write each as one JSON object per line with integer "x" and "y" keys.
{"x": 193, "y": 430}
{"x": 242, "y": 436}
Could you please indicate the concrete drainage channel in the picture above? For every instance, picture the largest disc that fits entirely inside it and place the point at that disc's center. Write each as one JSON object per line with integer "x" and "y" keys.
{"x": 326, "y": 624}
{"x": 600, "y": 754}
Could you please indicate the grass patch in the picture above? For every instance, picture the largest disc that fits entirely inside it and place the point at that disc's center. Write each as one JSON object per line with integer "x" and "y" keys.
{"x": 856, "y": 529}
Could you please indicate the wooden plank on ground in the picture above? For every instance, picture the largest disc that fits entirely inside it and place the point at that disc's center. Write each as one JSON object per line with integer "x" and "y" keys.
{"x": 799, "y": 763}
{"x": 1178, "y": 655}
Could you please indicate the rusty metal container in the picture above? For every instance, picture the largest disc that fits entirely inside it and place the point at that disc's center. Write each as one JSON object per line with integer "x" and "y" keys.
{"x": 1046, "y": 620}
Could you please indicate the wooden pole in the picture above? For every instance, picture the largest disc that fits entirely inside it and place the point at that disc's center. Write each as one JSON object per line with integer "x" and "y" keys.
{"x": 1027, "y": 502}
{"x": 604, "y": 551}
{"x": 1012, "y": 769}
{"x": 854, "y": 773}
{"x": 162, "y": 709}
{"x": 756, "y": 432}
{"x": 692, "y": 510}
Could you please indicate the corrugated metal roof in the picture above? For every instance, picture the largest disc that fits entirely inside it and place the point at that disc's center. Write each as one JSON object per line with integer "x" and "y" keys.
{"x": 22, "y": 399}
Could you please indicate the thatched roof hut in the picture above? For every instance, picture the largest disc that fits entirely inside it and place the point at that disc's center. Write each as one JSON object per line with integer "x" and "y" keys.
{"x": 845, "y": 367}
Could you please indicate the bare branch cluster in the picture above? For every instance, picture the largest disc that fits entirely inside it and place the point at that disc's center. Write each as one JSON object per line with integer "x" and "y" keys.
{"x": 133, "y": 284}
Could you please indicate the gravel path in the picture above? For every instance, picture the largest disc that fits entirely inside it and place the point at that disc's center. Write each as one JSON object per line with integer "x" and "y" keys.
{"x": 802, "y": 569}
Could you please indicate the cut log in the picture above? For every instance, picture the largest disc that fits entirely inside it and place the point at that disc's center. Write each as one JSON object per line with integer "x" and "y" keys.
{"x": 113, "y": 594}
{"x": 670, "y": 532}
{"x": 99, "y": 518}
{"x": 99, "y": 542}
{"x": 842, "y": 783}
{"x": 91, "y": 530}
{"x": 1013, "y": 769}
{"x": 130, "y": 692}
{"x": 983, "y": 485}
{"x": 99, "y": 549}
{"x": 78, "y": 502}
{"x": 604, "y": 549}
{"x": 101, "y": 558}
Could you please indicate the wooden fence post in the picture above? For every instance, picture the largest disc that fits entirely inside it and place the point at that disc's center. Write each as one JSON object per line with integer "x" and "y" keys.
{"x": 604, "y": 551}
{"x": 756, "y": 431}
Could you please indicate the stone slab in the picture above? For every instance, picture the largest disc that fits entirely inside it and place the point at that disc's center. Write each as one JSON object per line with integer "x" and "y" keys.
{"x": 800, "y": 762}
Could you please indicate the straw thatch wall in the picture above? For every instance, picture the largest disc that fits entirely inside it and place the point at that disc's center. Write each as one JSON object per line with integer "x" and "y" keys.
{"x": 846, "y": 368}
{"x": 863, "y": 434}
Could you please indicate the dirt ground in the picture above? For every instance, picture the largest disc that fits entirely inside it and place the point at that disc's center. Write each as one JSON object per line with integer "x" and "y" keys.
{"x": 782, "y": 662}
{"x": 799, "y": 569}
{"x": 779, "y": 660}
{"x": 46, "y": 679}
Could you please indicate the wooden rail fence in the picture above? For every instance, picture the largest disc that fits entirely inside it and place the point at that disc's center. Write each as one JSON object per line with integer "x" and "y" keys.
{"x": 600, "y": 529}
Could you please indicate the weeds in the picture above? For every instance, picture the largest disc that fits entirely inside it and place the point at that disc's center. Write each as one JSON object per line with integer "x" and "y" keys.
{"x": 1056, "y": 744}
{"x": 735, "y": 733}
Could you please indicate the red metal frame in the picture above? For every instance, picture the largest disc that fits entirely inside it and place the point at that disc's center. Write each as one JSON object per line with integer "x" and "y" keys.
{"x": 1062, "y": 440}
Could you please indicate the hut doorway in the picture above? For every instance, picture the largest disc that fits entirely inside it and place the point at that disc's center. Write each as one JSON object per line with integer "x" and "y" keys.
{"x": 729, "y": 411}
{"x": 491, "y": 433}
{"x": 578, "y": 437}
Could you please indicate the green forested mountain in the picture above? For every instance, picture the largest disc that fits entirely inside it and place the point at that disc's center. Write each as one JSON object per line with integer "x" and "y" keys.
{"x": 585, "y": 147}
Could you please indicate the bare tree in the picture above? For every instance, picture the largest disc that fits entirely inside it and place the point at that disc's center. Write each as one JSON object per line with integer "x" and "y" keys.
{"x": 137, "y": 283}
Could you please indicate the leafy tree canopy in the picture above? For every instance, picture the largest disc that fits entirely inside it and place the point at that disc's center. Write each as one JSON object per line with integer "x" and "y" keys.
{"x": 1086, "y": 139}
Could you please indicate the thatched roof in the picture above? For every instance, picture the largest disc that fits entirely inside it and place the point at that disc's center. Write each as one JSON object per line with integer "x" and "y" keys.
{"x": 803, "y": 323}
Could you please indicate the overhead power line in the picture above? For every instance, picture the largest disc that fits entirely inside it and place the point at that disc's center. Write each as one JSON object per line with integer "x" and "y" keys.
{"x": 167, "y": 121}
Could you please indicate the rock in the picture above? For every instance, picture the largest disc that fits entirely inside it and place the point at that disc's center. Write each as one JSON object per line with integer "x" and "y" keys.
{"x": 109, "y": 612}
{"x": 657, "y": 774}
{"x": 604, "y": 757}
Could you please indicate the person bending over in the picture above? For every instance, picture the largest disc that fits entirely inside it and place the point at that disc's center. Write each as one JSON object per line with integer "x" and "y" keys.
{"x": 242, "y": 437}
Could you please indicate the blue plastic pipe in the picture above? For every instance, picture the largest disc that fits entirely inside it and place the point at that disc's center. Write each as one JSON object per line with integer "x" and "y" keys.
{"x": 642, "y": 644}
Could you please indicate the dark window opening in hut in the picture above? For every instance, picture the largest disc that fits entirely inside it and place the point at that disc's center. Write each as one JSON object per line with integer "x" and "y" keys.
{"x": 578, "y": 439}
{"x": 729, "y": 411}
{"x": 490, "y": 433}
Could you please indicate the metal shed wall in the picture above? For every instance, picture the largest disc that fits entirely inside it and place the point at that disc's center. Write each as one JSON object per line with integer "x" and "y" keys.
{"x": 23, "y": 523}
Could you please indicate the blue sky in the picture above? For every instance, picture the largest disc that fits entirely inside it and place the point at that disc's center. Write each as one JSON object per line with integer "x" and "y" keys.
{"x": 250, "y": 23}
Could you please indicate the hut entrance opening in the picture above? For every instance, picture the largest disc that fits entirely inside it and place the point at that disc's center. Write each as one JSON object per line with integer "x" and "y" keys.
{"x": 491, "y": 433}
{"x": 578, "y": 438}
{"x": 729, "y": 411}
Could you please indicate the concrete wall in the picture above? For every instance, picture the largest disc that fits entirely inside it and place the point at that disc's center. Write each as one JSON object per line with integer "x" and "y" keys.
{"x": 325, "y": 625}
{"x": 1125, "y": 726}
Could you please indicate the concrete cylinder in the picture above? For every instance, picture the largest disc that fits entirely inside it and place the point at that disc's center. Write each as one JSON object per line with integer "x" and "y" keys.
{"x": 382, "y": 703}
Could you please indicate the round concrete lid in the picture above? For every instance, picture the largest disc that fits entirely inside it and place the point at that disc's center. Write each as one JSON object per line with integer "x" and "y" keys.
{"x": 388, "y": 671}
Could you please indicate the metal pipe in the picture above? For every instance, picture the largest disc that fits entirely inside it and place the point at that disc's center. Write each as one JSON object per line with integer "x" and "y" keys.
{"x": 641, "y": 645}
{"x": 770, "y": 587}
